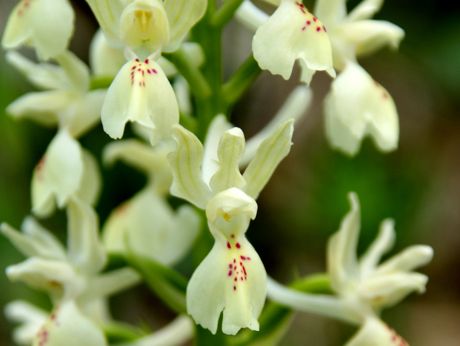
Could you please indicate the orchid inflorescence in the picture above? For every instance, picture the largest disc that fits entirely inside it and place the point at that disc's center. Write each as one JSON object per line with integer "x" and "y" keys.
{"x": 157, "y": 64}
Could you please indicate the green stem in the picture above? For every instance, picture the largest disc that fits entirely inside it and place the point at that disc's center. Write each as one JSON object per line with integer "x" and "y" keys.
{"x": 198, "y": 84}
{"x": 241, "y": 80}
{"x": 100, "y": 83}
{"x": 225, "y": 12}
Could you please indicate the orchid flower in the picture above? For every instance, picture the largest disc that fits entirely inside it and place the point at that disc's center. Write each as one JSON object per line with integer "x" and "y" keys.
{"x": 140, "y": 92}
{"x": 232, "y": 277}
{"x": 367, "y": 108}
{"x": 73, "y": 275}
{"x": 147, "y": 26}
{"x": 291, "y": 33}
{"x": 26, "y": 26}
{"x": 363, "y": 287}
{"x": 146, "y": 223}
{"x": 65, "y": 170}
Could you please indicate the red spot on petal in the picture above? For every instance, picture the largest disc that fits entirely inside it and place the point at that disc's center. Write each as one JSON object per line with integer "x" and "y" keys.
{"x": 238, "y": 245}
{"x": 228, "y": 245}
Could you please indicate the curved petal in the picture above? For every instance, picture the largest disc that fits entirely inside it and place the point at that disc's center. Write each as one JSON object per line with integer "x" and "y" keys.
{"x": 58, "y": 174}
{"x": 182, "y": 16}
{"x": 367, "y": 36}
{"x": 268, "y": 156}
{"x": 46, "y": 76}
{"x": 389, "y": 289}
{"x": 292, "y": 33}
{"x": 56, "y": 277}
{"x": 43, "y": 107}
{"x": 365, "y": 9}
{"x": 68, "y": 326}
{"x": 140, "y": 93}
{"x": 186, "y": 163}
{"x": 49, "y": 37}
{"x": 144, "y": 24}
{"x": 352, "y": 113}
{"x": 250, "y": 15}
{"x": 342, "y": 246}
{"x": 232, "y": 280}
{"x": 107, "y": 13}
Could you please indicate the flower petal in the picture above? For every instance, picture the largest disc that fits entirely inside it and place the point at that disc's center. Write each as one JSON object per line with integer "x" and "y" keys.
{"x": 58, "y": 175}
{"x": 382, "y": 244}
{"x": 49, "y": 37}
{"x": 186, "y": 163}
{"x": 140, "y": 93}
{"x": 151, "y": 228}
{"x": 43, "y": 107}
{"x": 226, "y": 282}
{"x": 367, "y": 36}
{"x": 376, "y": 333}
{"x": 46, "y": 76}
{"x": 342, "y": 246}
{"x": 389, "y": 289}
{"x": 107, "y": 13}
{"x": 30, "y": 317}
{"x": 56, "y": 277}
{"x": 409, "y": 259}
{"x": 105, "y": 60}
{"x": 85, "y": 250}
{"x": 90, "y": 184}
{"x": 352, "y": 113}
{"x": 182, "y": 16}
{"x": 68, "y": 326}
{"x": 292, "y": 33}
{"x": 365, "y": 9}
{"x": 269, "y": 154}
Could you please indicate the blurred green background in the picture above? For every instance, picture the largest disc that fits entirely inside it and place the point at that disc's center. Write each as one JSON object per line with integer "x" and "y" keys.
{"x": 418, "y": 185}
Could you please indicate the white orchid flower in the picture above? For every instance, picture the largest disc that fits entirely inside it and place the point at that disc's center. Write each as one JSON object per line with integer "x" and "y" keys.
{"x": 147, "y": 26}
{"x": 146, "y": 223}
{"x": 290, "y": 34}
{"x": 72, "y": 274}
{"x": 362, "y": 287}
{"x": 140, "y": 93}
{"x": 26, "y": 26}
{"x": 232, "y": 277}
{"x": 67, "y": 325}
{"x": 66, "y": 100}
{"x": 65, "y": 171}
{"x": 367, "y": 109}
{"x": 367, "y": 285}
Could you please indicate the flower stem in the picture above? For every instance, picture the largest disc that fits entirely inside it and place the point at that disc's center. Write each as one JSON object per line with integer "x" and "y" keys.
{"x": 225, "y": 12}
{"x": 198, "y": 84}
{"x": 321, "y": 304}
{"x": 241, "y": 80}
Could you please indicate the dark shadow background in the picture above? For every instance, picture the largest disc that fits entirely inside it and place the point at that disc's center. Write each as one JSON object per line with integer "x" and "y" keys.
{"x": 418, "y": 185}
